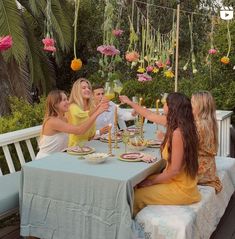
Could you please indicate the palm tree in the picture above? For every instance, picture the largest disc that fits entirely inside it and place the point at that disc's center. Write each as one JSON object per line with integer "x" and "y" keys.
{"x": 26, "y": 62}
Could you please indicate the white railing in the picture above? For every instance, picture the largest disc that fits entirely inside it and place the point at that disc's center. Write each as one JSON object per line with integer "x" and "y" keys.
{"x": 223, "y": 119}
{"x": 15, "y": 138}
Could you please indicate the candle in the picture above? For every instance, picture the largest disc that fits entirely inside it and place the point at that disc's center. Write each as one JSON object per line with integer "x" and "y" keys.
{"x": 115, "y": 116}
{"x": 157, "y": 109}
{"x": 141, "y": 100}
{"x": 109, "y": 135}
{"x": 116, "y": 127}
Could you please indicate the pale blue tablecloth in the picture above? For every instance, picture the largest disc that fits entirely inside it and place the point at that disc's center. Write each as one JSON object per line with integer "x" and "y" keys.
{"x": 64, "y": 197}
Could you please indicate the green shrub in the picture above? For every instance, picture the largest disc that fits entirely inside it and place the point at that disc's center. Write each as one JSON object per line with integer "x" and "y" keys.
{"x": 23, "y": 115}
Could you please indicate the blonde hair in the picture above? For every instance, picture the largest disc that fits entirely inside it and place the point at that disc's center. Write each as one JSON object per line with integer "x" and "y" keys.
{"x": 75, "y": 95}
{"x": 205, "y": 115}
{"x": 54, "y": 97}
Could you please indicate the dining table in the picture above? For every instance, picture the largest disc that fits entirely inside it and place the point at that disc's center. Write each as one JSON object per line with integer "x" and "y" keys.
{"x": 64, "y": 196}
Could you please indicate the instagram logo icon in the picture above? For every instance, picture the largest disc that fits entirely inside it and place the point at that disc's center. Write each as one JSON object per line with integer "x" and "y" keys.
{"x": 226, "y": 13}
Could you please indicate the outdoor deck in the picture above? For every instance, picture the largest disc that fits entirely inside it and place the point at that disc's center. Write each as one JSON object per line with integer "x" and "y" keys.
{"x": 225, "y": 229}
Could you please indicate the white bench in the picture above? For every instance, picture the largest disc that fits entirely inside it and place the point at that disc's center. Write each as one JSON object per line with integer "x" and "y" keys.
{"x": 9, "y": 184}
{"x": 194, "y": 221}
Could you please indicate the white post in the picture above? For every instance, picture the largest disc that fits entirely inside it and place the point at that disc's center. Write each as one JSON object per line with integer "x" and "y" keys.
{"x": 177, "y": 45}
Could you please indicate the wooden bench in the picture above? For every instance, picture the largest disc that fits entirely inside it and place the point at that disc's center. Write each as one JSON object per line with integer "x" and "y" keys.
{"x": 9, "y": 183}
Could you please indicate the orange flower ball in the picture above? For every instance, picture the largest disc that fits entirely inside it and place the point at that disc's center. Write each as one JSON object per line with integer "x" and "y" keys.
{"x": 76, "y": 64}
{"x": 132, "y": 56}
{"x": 225, "y": 60}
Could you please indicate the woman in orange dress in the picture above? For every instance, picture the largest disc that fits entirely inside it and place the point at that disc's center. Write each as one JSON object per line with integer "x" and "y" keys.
{"x": 177, "y": 184}
{"x": 205, "y": 115}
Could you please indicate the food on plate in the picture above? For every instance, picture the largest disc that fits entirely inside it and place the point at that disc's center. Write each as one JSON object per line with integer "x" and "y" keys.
{"x": 137, "y": 142}
{"x": 134, "y": 155}
{"x": 78, "y": 149}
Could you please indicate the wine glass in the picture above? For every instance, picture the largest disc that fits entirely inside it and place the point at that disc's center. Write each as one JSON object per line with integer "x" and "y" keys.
{"x": 118, "y": 86}
{"x": 109, "y": 91}
{"x": 163, "y": 99}
{"x": 125, "y": 138}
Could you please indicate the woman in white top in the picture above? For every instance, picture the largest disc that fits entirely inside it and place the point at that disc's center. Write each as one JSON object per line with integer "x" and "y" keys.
{"x": 55, "y": 129}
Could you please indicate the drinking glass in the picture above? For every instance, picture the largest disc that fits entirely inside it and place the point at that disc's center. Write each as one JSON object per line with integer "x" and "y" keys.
{"x": 125, "y": 138}
{"x": 163, "y": 99}
{"x": 118, "y": 86}
{"x": 109, "y": 91}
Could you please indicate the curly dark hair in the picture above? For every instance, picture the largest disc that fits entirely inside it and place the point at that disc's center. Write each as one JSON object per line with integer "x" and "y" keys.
{"x": 180, "y": 116}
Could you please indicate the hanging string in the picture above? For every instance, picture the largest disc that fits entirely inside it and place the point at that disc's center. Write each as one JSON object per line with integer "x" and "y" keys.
{"x": 169, "y": 8}
{"x": 77, "y": 3}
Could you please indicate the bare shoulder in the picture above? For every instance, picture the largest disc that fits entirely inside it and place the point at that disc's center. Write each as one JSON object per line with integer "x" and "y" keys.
{"x": 177, "y": 134}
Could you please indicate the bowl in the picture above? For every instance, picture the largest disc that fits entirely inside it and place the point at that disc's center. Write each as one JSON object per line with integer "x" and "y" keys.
{"x": 133, "y": 145}
{"x": 96, "y": 157}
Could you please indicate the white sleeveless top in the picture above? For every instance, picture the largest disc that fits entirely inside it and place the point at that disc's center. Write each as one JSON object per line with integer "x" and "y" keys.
{"x": 51, "y": 144}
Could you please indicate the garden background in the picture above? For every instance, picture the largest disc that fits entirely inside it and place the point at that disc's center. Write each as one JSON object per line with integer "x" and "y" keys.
{"x": 27, "y": 71}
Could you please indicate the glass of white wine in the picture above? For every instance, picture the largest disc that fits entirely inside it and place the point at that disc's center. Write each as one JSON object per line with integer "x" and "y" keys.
{"x": 118, "y": 86}
{"x": 163, "y": 99}
{"x": 125, "y": 138}
{"x": 109, "y": 91}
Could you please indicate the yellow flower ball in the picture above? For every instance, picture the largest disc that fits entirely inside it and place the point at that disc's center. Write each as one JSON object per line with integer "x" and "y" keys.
{"x": 141, "y": 69}
{"x": 76, "y": 64}
{"x": 169, "y": 74}
{"x": 225, "y": 60}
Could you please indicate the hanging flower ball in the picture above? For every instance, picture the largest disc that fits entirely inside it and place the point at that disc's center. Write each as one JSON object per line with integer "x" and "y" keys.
{"x": 159, "y": 64}
{"x": 108, "y": 50}
{"x": 76, "y": 64}
{"x": 168, "y": 62}
{"x": 5, "y": 43}
{"x": 141, "y": 69}
{"x": 132, "y": 56}
{"x": 155, "y": 70}
{"x": 144, "y": 77}
{"x": 212, "y": 51}
{"x": 169, "y": 74}
{"x": 49, "y": 44}
{"x": 117, "y": 32}
{"x": 149, "y": 68}
{"x": 225, "y": 60}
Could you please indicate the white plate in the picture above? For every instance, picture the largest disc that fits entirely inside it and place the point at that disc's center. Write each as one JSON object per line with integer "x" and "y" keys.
{"x": 92, "y": 150}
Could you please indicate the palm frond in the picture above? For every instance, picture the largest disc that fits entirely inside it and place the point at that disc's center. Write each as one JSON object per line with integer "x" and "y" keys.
{"x": 41, "y": 72}
{"x": 62, "y": 26}
{"x": 5, "y": 88}
{"x": 19, "y": 78}
{"x": 11, "y": 24}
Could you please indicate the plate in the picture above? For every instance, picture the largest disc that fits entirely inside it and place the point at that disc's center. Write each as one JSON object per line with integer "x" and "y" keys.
{"x": 76, "y": 150}
{"x": 104, "y": 138}
{"x": 131, "y": 157}
{"x": 154, "y": 143}
{"x": 96, "y": 157}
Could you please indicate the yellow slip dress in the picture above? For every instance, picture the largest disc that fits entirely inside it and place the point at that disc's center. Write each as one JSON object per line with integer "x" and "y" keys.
{"x": 180, "y": 190}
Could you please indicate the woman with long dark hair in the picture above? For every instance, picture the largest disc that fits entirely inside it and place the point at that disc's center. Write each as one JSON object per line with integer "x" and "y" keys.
{"x": 177, "y": 184}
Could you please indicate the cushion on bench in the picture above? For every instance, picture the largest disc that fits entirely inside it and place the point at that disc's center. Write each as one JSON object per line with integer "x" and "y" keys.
{"x": 9, "y": 192}
{"x": 198, "y": 220}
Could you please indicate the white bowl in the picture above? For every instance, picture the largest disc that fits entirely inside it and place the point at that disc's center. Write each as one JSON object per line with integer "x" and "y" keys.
{"x": 136, "y": 147}
{"x": 96, "y": 157}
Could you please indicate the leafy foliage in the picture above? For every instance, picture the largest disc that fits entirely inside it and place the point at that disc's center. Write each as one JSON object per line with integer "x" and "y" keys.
{"x": 23, "y": 115}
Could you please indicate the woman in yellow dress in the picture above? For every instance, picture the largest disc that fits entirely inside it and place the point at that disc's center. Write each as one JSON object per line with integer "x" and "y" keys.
{"x": 205, "y": 115}
{"x": 80, "y": 110}
{"x": 177, "y": 184}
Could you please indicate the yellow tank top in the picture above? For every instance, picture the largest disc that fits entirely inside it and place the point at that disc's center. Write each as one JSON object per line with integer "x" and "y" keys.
{"x": 77, "y": 116}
